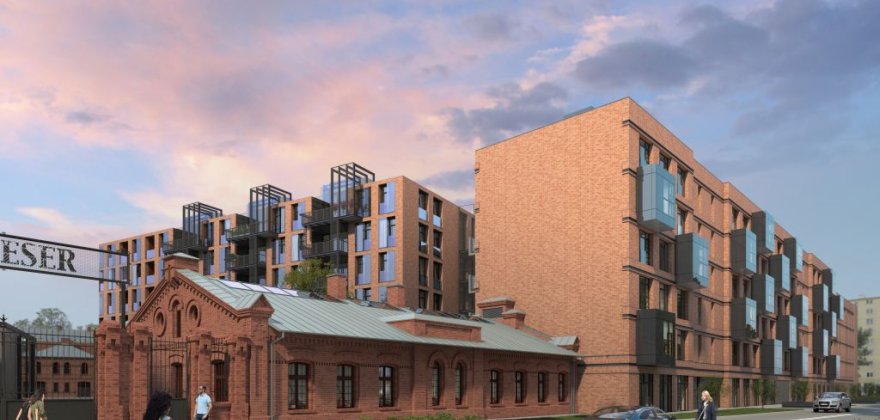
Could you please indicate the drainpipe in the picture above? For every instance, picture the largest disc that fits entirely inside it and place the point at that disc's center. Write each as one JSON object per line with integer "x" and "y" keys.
{"x": 272, "y": 344}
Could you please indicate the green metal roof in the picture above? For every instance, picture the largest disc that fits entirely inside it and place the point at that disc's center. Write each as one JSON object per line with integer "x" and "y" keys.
{"x": 351, "y": 319}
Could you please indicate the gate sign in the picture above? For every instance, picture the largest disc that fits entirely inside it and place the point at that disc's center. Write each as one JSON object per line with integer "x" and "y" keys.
{"x": 45, "y": 257}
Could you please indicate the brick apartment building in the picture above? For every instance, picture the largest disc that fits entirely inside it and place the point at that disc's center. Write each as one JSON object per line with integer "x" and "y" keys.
{"x": 866, "y": 308}
{"x": 266, "y": 352}
{"x": 604, "y": 225}
{"x": 376, "y": 233}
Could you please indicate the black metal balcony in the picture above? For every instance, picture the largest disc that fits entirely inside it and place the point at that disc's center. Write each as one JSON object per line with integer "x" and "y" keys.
{"x": 346, "y": 212}
{"x": 185, "y": 244}
{"x": 655, "y": 338}
{"x": 334, "y": 245}
{"x": 245, "y": 231}
{"x": 242, "y": 262}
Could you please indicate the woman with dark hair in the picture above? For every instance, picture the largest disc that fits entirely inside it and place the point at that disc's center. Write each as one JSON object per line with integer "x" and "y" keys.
{"x": 158, "y": 407}
{"x": 37, "y": 411}
{"x": 24, "y": 408}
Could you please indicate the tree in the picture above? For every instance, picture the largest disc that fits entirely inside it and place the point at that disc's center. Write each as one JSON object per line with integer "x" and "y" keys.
{"x": 715, "y": 386}
{"x": 765, "y": 389}
{"x": 862, "y": 344}
{"x": 799, "y": 390}
{"x": 46, "y": 318}
{"x": 310, "y": 276}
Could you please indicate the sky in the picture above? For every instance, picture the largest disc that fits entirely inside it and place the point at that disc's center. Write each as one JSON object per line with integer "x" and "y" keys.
{"x": 115, "y": 114}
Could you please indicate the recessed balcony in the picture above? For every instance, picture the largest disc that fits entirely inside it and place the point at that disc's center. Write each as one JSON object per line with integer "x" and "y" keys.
{"x": 780, "y": 270}
{"x": 764, "y": 227}
{"x": 656, "y": 198}
{"x": 744, "y": 319}
{"x": 691, "y": 261}
{"x": 743, "y": 252}
{"x": 655, "y": 338}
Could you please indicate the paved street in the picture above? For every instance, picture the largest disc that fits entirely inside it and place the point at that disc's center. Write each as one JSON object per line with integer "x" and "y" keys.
{"x": 861, "y": 411}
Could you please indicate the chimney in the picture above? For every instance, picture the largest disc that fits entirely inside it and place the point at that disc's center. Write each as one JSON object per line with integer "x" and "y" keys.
{"x": 337, "y": 286}
{"x": 494, "y": 307}
{"x": 514, "y": 318}
{"x": 181, "y": 261}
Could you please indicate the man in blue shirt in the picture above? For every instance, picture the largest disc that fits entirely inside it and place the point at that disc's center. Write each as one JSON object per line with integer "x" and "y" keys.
{"x": 203, "y": 404}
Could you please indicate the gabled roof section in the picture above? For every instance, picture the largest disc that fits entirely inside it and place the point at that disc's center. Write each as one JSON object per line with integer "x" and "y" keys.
{"x": 63, "y": 351}
{"x": 294, "y": 312}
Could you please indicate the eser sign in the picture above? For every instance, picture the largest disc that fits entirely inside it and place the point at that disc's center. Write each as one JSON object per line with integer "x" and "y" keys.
{"x": 36, "y": 256}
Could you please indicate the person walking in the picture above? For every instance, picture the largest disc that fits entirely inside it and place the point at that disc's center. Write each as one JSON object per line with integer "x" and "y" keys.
{"x": 24, "y": 408}
{"x": 37, "y": 411}
{"x": 203, "y": 404}
{"x": 158, "y": 407}
{"x": 707, "y": 408}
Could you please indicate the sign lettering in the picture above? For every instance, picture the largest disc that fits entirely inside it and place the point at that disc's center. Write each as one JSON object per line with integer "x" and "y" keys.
{"x": 28, "y": 254}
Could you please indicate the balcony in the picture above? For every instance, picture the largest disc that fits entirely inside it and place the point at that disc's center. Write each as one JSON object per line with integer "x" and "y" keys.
{"x": 786, "y": 331}
{"x": 771, "y": 357}
{"x": 247, "y": 230}
{"x": 837, "y": 305}
{"x": 346, "y": 212}
{"x": 743, "y": 252}
{"x": 655, "y": 338}
{"x": 821, "y": 298}
{"x": 800, "y": 307}
{"x": 334, "y": 245}
{"x": 744, "y": 319}
{"x": 832, "y": 367}
{"x": 829, "y": 322}
{"x": 656, "y": 198}
{"x": 691, "y": 261}
{"x": 795, "y": 254}
{"x": 765, "y": 228}
{"x": 800, "y": 362}
{"x": 828, "y": 279}
{"x": 820, "y": 342}
{"x": 764, "y": 292}
{"x": 241, "y": 262}
{"x": 185, "y": 244}
{"x": 780, "y": 270}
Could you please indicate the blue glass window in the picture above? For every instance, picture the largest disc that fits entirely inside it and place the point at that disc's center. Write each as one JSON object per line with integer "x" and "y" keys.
{"x": 386, "y": 266}
{"x": 227, "y": 224}
{"x": 295, "y": 248}
{"x": 383, "y": 294}
{"x": 423, "y": 206}
{"x": 644, "y": 153}
{"x": 656, "y": 198}
{"x": 387, "y": 198}
{"x": 438, "y": 209}
{"x": 362, "y": 267}
{"x": 209, "y": 260}
{"x": 279, "y": 251}
{"x": 644, "y": 248}
{"x": 280, "y": 219}
{"x": 296, "y": 221}
{"x": 770, "y": 297}
{"x": 222, "y": 264}
{"x": 363, "y": 236}
{"x": 363, "y": 294}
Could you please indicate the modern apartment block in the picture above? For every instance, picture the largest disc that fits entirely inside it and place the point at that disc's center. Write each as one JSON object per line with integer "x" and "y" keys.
{"x": 604, "y": 225}
{"x": 867, "y": 308}
{"x": 379, "y": 233}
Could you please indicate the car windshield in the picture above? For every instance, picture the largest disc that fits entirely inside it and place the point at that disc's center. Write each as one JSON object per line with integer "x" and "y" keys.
{"x": 831, "y": 395}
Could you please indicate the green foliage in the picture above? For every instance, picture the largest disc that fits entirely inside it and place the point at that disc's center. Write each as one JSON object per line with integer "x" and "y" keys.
{"x": 799, "y": 390}
{"x": 870, "y": 389}
{"x": 310, "y": 276}
{"x": 765, "y": 390}
{"x": 855, "y": 390}
{"x": 714, "y": 386}
{"x": 864, "y": 352}
{"x": 46, "y": 318}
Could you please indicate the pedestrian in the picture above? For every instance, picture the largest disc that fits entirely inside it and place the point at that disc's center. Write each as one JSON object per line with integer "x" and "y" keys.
{"x": 707, "y": 408}
{"x": 203, "y": 404}
{"x": 158, "y": 407}
{"x": 24, "y": 408}
{"x": 37, "y": 411}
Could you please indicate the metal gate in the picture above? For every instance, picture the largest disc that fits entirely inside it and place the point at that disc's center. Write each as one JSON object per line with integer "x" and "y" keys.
{"x": 169, "y": 372}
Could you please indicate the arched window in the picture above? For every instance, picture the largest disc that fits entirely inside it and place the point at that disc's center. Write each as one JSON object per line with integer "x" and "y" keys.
{"x": 176, "y": 314}
{"x": 298, "y": 386}
{"x": 436, "y": 383}
{"x": 520, "y": 390}
{"x": 562, "y": 394}
{"x": 542, "y": 387}
{"x": 460, "y": 386}
{"x": 345, "y": 386}
{"x": 386, "y": 386}
{"x": 66, "y": 368}
{"x": 56, "y": 368}
{"x": 495, "y": 387}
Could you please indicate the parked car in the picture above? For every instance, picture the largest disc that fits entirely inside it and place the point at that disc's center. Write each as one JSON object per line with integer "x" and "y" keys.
{"x": 639, "y": 413}
{"x": 832, "y": 401}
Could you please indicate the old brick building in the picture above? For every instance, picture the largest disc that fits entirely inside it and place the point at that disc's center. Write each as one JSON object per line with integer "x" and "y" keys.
{"x": 604, "y": 225}
{"x": 264, "y": 351}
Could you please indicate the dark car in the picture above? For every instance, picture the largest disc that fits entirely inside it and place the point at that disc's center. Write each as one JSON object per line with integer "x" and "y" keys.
{"x": 832, "y": 401}
{"x": 639, "y": 413}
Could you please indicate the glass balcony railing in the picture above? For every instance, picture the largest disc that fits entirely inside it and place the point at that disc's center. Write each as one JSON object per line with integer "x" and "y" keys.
{"x": 656, "y": 198}
{"x": 244, "y": 261}
{"x": 250, "y": 229}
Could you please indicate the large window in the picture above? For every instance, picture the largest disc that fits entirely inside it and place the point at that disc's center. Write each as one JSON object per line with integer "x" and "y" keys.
{"x": 436, "y": 383}
{"x": 438, "y": 302}
{"x": 644, "y": 292}
{"x": 423, "y": 238}
{"x": 84, "y": 369}
{"x": 680, "y": 340}
{"x": 345, "y": 391}
{"x": 682, "y": 221}
{"x": 438, "y": 244}
{"x": 646, "y": 389}
{"x": 645, "y": 248}
{"x": 542, "y": 387}
{"x": 386, "y": 386}
{"x": 221, "y": 381}
{"x": 438, "y": 207}
{"x": 67, "y": 368}
{"x": 519, "y": 378}
{"x": 494, "y": 387}
{"x": 386, "y": 266}
{"x": 298, "y": 386}
{"x": 386, "y": 198}
{"x": 362, "y": 269}
{"x": 669, "y": 339}
{"x": 423, "y": 271}
{"x": 644, "y": 153}
{"x": 560, "y": 387}
{"x": 682, "y": 178}
{"x": 460, "y": 383}
{"x": 664, "y": 256}
{"x": 423, "y": 299}
{"x": 664, "y": 296}
{"x": 682, "y": 304}
{"x": 438, "y": 276}
{"x": 423, "y": 205}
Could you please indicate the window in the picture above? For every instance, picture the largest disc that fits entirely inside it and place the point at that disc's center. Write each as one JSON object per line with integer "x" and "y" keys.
{"x": 438, "y": 244}
{"x": 84, "y": 369}
{"x": 386, "y": 198}
{"x": 362, "y": 269}
{"x": 297, "y": 386}
{"x": 682, "y": 304}
{"x": 363, "y": 294}
{"x": 644, "y": 153}
{"x": 387, "y": 232}
{"x": 679, "y": 345}
{"x": 646, "y": 389}
{"x": 438, "y": 207}
{"x": 682, "y": 178}
{"x": 66, "y": 387}
{"x": 682, "y": 393}
{"x": 669, "y": 339}
{"x": 494, "y": 387}
{"x": 645, "y": 248}
{"x": 423, "y": 205}
{"x": 735, "y": 217}
{"x": 221, "y": 381}
{"x": 56, "y": 368}
{"x": 664, "y": 161}
{"x": 459, "y": 384}
{"x": 423, "y": 299}
{"x": 84, "y": 389}
{"x": 386, "y": 386}
{"x": 386, "y": 266}
{"x": 345, "y": 386}
{"x": 682, "y": 221}
{"x": 438, "y": 276}
{"x": 436, "y": 383}
{"x": 519, "y": 378}
{"x": 664, "y": 256}
{"x": 438, "y": 302}
{"x": 644, "y": 292}
{"x": 363, "y": 236}
{"x": 423, "y": 238}
{"x": 560, "y": 387}
{"x": 664, "y": 296}
{"x": 423, "y": 271}
{"x": 177, "y": 386}
{"x": 67, "y": 368}
{"x": 542, "y": 387}
{"x": 55, "y": 387}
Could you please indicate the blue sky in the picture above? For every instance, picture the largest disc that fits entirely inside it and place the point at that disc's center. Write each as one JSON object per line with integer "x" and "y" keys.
{"x": 114, "y": 115}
